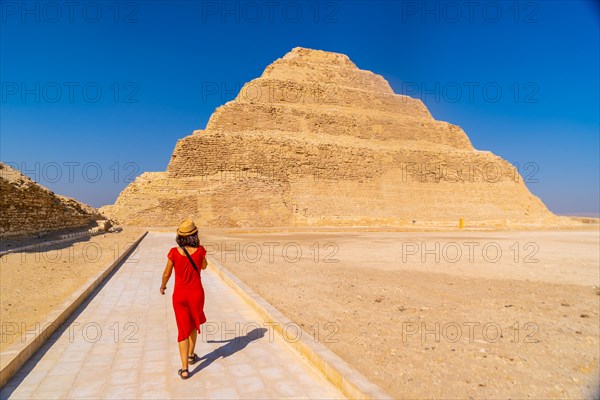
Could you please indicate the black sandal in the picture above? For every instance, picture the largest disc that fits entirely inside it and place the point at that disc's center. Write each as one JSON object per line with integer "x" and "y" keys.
{"x": 193, "y": 359}
{"x": 181, "y": 371}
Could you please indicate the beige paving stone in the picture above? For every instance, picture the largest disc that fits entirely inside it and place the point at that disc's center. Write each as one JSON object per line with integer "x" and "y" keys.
{"x": 125, "y": 353}
{"x": 87, "y": 388}
{"x": 155, "y": 355}
{"x": 242, "y": 370}
{"x": 57, "y": 393}
{"x": 75, "y": 356}
{"x": 127, "y": 364}
{"x": 272, "y": 373}
{"x": 54, "y": 386}
{"x": 153, "y": 393}
{"x": 121, "y": 392}
{"x": 153, "y": 380}
{"x": 65, "y": 368}
{"x": 33, "y": 379}
{"x": 123, "y": 377}
{"x": 100, "y": 356}
{"x": 92, "y": 374}
{"x": 153, "y": 368}
{"x": 18, "y": 392}
{"x": 250, "y": 385}
{"x": 223, "y": 393}
{"x": 104, "y": 347}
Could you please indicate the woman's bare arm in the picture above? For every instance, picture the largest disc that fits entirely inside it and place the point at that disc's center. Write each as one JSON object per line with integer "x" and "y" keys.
{"x": 166, "y": 275}
{"x": 204, "y": 263}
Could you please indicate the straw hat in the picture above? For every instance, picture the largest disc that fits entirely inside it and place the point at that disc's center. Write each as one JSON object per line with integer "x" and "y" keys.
{"x": 187, "y": 228}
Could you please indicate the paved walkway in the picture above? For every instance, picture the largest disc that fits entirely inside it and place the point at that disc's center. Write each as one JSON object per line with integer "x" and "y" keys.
{"x": 123, "y": 344}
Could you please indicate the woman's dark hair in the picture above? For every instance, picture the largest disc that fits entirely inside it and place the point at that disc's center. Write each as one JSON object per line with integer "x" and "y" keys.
{"x": 192, "y": 240}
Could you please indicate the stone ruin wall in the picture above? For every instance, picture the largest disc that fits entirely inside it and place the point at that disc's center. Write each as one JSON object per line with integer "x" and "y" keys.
{"x": 31, "y": 209}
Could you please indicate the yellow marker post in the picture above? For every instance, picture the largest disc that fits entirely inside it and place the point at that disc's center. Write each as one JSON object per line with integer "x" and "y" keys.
{"x": 461, "y": 223}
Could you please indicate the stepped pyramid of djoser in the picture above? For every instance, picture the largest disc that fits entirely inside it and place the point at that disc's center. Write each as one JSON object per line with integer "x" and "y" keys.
{"x": 316, "y": 141}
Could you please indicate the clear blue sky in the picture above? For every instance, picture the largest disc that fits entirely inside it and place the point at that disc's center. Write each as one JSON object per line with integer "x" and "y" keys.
{"x": 150, "y": 60}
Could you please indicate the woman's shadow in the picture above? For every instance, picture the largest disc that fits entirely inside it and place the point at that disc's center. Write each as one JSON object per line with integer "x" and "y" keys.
{"x": 230, "y": 347}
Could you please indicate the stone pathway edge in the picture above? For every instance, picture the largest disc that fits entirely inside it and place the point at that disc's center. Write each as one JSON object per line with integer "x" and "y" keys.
{"x": 49, "y": 243}
{"x": 348, "y": 380}
{"x": 16, "y": 355}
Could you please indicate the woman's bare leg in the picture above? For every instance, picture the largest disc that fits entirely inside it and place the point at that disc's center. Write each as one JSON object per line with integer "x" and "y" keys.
{"x": 183, "y": 353}
{"x": 193, "y": 337}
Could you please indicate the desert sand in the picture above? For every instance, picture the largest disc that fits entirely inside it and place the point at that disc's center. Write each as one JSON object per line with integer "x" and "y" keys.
{"x": 33, "y": 283}
{"x": 521, "y": 324}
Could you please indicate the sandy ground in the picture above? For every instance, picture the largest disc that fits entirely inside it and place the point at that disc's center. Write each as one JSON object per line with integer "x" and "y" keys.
{"x": 34, "y": 282}
{"x": 438, "y": 315}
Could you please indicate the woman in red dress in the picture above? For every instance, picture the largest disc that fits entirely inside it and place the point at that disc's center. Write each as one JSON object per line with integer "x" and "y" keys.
{"x": 188, "y": 294}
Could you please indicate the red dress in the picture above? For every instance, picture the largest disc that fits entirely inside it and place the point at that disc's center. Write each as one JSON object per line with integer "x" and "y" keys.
{"x": 188, "y": 294}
